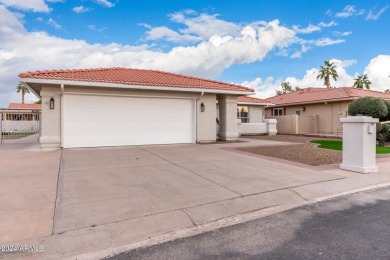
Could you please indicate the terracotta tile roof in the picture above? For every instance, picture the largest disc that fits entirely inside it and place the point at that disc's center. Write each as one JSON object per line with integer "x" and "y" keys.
{"x": 24, "y": 106}
{"x": 253, "y": 100}
{"x": 314, "y": 95}
{"x": 134, "y": 77}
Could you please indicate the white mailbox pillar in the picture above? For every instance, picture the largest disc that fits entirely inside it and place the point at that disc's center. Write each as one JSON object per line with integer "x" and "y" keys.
{"x": 359, "y": 142}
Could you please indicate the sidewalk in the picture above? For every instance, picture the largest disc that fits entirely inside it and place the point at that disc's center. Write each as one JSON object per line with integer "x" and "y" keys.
{"x": 102, "y": 240}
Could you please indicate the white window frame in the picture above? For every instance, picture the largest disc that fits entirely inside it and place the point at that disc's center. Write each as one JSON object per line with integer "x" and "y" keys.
{"x": 244, "y": 119}
{"x": 279, "y": 111}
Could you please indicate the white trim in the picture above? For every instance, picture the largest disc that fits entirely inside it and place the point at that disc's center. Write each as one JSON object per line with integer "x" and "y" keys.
{"x": 277, "y": 108}
{"x": 254, "y": 104}
{"x": 127, "y": 86}
{"x": 125, "y": 95}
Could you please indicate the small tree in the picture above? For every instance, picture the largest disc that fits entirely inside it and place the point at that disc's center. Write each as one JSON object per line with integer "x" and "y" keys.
{"x": 362, "y": 81}
{"x": 23, "y": 89}
{"x": 368, "y": 106}
{"x": 286, "y": 88}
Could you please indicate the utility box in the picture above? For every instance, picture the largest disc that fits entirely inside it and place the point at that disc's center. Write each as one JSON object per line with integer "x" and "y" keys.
{"x": 359, "y": 144}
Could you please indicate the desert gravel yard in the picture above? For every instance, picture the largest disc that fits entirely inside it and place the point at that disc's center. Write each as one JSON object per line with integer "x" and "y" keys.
{"x": 306, "y": 153}
{"x": 302, "y": 152}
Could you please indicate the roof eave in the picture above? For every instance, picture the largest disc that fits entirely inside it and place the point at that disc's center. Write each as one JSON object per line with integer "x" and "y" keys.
{"x": 315, "y": 102}
{"x": 255, "y": 104}
{"x": 127, "y": 86}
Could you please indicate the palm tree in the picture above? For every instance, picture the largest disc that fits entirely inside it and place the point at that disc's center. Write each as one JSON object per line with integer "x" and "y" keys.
{"x": 23, "y": 89}
{"x": 362, "y": 81}
{"x": 326, "y": 72}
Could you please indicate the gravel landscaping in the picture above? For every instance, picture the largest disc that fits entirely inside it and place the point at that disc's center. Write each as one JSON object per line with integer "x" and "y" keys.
{"x": 302, "y": 152}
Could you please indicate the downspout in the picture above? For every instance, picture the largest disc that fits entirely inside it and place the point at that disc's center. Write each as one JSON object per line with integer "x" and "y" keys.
{"x": 62, "y": 113}
{"x": 196, "y": 114}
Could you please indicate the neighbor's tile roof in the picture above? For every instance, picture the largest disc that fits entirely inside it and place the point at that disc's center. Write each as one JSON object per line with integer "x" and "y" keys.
{"x": 134, "y": 77}
{"x": 24, "y": 106}
{"x": 246, "y": 99}
{"x": 315, "y": 95}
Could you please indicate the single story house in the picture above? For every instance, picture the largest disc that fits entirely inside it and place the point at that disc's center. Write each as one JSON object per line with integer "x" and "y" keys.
{"x": 122, "y": 106}
{"x": 315, "y": 110}
{"x": 250, "y": 113}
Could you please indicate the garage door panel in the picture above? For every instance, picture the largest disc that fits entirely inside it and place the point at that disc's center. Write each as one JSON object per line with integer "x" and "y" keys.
{"x": 91, "y": 121}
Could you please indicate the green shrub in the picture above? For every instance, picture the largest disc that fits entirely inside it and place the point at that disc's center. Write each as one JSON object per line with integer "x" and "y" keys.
{"x": 385, "y": 128}
{"x": 387, "y": 117}
{"x": 379, "y": 127}
{"x": 368, "y": 106}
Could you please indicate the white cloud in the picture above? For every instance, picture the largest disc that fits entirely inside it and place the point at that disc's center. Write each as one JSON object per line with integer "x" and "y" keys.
{"x": 96, "y": 29}
{"x": 54, "y": 24}
{"x": 378, "y": 71}
{"x": 27, "y": 5}
{"x": 298, "y": 54}
{"x": 309, "y": 29}
{"x": 313, "y": 28}
{"x": 375, "y": 16}
{"x": 81, "y": 9}
{"x": 327, "y": 41}
{"x": 348, "y": 11}
{"x": 330, "y": 24}
{"x": 164, "y": 33}
{"x": 205, "y": 25}
{"x": 342, "y": 33}
{"x": 198, "y": 27}
{"x": 104, "y": 3}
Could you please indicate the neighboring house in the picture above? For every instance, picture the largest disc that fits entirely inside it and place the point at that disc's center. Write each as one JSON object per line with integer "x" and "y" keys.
{"x": 119, "y": 106}
{"x": 315, "y": 110}
{"x": 20, "y": 117}
{"x": 250, "y": 112}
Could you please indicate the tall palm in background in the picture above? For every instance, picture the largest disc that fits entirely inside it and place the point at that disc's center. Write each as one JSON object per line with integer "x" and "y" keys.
{"x": 362, "y": 81}
{"x": 23, "y": 89}
{"x": 327, "y": 71}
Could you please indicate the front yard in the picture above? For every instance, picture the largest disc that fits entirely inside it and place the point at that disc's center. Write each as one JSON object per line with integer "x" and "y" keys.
{"x": 301, "y": 150}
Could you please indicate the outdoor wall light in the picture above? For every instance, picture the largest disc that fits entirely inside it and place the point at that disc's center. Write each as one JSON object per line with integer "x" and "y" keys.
{"x": 202, "y": 107}
{"x": 303, "y": 108}
{"x": 52, "y": 103}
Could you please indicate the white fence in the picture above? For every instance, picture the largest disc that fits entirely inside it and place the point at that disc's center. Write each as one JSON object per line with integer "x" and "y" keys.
{"x": 19, "y": 127}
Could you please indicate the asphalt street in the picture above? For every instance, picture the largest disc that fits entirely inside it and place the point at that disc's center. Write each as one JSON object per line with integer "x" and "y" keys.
{"x": 355, "y": 226}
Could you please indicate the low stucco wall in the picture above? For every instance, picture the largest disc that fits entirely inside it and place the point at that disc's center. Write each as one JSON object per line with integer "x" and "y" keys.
{"x": 328, "y": 116}
{"x": 286, "y": 124}
{"x": 252, "y": 128}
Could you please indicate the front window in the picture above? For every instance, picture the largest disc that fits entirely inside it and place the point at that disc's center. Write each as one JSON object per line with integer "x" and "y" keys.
{"x": 243, "y": 114}
{"x": 278, "y": 111}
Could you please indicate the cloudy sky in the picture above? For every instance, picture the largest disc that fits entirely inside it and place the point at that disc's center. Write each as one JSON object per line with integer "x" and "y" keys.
{"x": 256, "y": 43}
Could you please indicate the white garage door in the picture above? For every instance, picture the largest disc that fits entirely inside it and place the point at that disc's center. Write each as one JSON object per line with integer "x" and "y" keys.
{"x": 92, "y": 121}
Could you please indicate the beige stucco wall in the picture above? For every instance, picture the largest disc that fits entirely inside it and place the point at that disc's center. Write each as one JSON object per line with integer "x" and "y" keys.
{"x": 206, "y": 121}
{"x": 328, "y": 121}
{"x": 255, "y": 114}
{"x": 228, "y": 129}
{"x": 286, "y": 124}
{"x": 51, "y": 119}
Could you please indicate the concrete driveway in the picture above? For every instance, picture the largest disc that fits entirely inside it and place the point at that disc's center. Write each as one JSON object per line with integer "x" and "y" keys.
{"x": 106, "y": 185}
{"x": 28, "y": 188}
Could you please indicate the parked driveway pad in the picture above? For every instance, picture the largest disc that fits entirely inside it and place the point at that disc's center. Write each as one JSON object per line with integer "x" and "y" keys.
{"x": 105, "y": 185}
